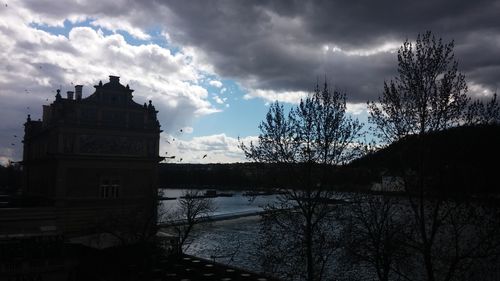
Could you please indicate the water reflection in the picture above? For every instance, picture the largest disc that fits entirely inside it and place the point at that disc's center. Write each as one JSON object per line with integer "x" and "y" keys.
{"x": 229, "y": 242}
{"x": 237, "y": 203}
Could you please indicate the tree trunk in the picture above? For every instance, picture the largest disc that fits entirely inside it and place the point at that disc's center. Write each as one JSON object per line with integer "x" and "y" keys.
{"x": 309, "y": 254}
{"x": 429, "y": 268}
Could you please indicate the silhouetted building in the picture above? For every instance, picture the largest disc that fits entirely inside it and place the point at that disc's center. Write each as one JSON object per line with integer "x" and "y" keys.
{"x": 95, "y": 159}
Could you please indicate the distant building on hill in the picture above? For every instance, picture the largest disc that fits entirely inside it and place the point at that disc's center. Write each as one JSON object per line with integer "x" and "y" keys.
{"x": 389, "y": 184}
{"x": 95, "y": 159}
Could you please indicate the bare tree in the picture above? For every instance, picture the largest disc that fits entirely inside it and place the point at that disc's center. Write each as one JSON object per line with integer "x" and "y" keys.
{"x": 192, "y": 209}
{"x": 374, "y": 236}
{"x": 428, "y": 95}
{"x": 480, "y": 113}
{"x": 11, "y": 178}
{"x": 131, "y": 226}
{"x": 224, "y": 251}
{"x": 306, "y": 142}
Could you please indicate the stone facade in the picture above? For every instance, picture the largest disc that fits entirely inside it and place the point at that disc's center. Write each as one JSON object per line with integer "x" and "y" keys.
{"x": 95, "y": 158}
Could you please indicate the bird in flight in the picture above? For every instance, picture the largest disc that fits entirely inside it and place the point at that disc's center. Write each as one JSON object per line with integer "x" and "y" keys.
{"x": 204, "y": 156}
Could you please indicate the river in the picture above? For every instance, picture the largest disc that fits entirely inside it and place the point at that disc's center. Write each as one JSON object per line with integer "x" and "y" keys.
{"x": 226, "y": 241}
{"x": 234, "y": 241}
{"x": 238, "y": 203}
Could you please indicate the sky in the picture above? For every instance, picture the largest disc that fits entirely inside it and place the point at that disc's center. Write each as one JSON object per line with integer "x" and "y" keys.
{"x": 213, "y": 67}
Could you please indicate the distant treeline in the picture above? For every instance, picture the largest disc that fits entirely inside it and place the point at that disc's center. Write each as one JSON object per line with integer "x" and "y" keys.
{"x": 11, "y": 178}
{"x": 259, "y": 176}
{"x": 462, "y": 159}
{"x": 458, "y": 160}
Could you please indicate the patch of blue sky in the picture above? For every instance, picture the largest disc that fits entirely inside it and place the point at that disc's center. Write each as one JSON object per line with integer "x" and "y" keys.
{"x": 238, "y": 116}
{"x": 240, "y": 119}
{"x": 157, "y": 35}
{"x": 243, "y": 116}
{"x": 62, "y": 30}
{"x": 228, "y": 84}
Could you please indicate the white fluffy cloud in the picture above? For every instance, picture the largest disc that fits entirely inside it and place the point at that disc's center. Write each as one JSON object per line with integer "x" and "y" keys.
{"x": 215, "y": 83}
{"x": 356, "y": 108}
{"x": 286, "y": 46}
{"x": 219, "y": 100}
{"x": 478, "y": 91}
{"x": 35, "y": 63}
{"x": 121, "y": 24}
{"x": 217, "y": 148}
{"x": 282, "y": 96}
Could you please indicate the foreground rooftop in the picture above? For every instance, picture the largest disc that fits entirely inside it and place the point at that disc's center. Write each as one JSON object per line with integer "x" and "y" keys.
{"x": 187, "y": 268}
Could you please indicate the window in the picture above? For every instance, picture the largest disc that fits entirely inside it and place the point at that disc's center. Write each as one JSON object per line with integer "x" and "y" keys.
{"x": 110, "y": 188}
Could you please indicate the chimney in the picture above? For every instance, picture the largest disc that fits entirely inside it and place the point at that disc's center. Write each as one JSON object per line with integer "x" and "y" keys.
{"x": 70, "y": 94}
{"x": 78, "y": 92}
{"x": 114, "y": 79}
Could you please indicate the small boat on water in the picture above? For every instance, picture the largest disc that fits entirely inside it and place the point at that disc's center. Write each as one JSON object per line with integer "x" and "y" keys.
{"x": 212, "y": 193}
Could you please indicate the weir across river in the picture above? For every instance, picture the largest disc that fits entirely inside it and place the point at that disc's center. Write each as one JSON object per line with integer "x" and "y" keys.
{"x": 218, "y": 217}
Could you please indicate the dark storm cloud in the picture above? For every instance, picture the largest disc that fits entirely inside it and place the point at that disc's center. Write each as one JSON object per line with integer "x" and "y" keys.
{"x": 55, "y": 10}
{"x": 278, "y": 45}
{"x": 362, "y": 23}
{"x": 479, "y": 58}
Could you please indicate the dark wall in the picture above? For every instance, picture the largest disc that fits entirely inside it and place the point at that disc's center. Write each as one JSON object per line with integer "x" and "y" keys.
{"x": 11, "y": 178}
